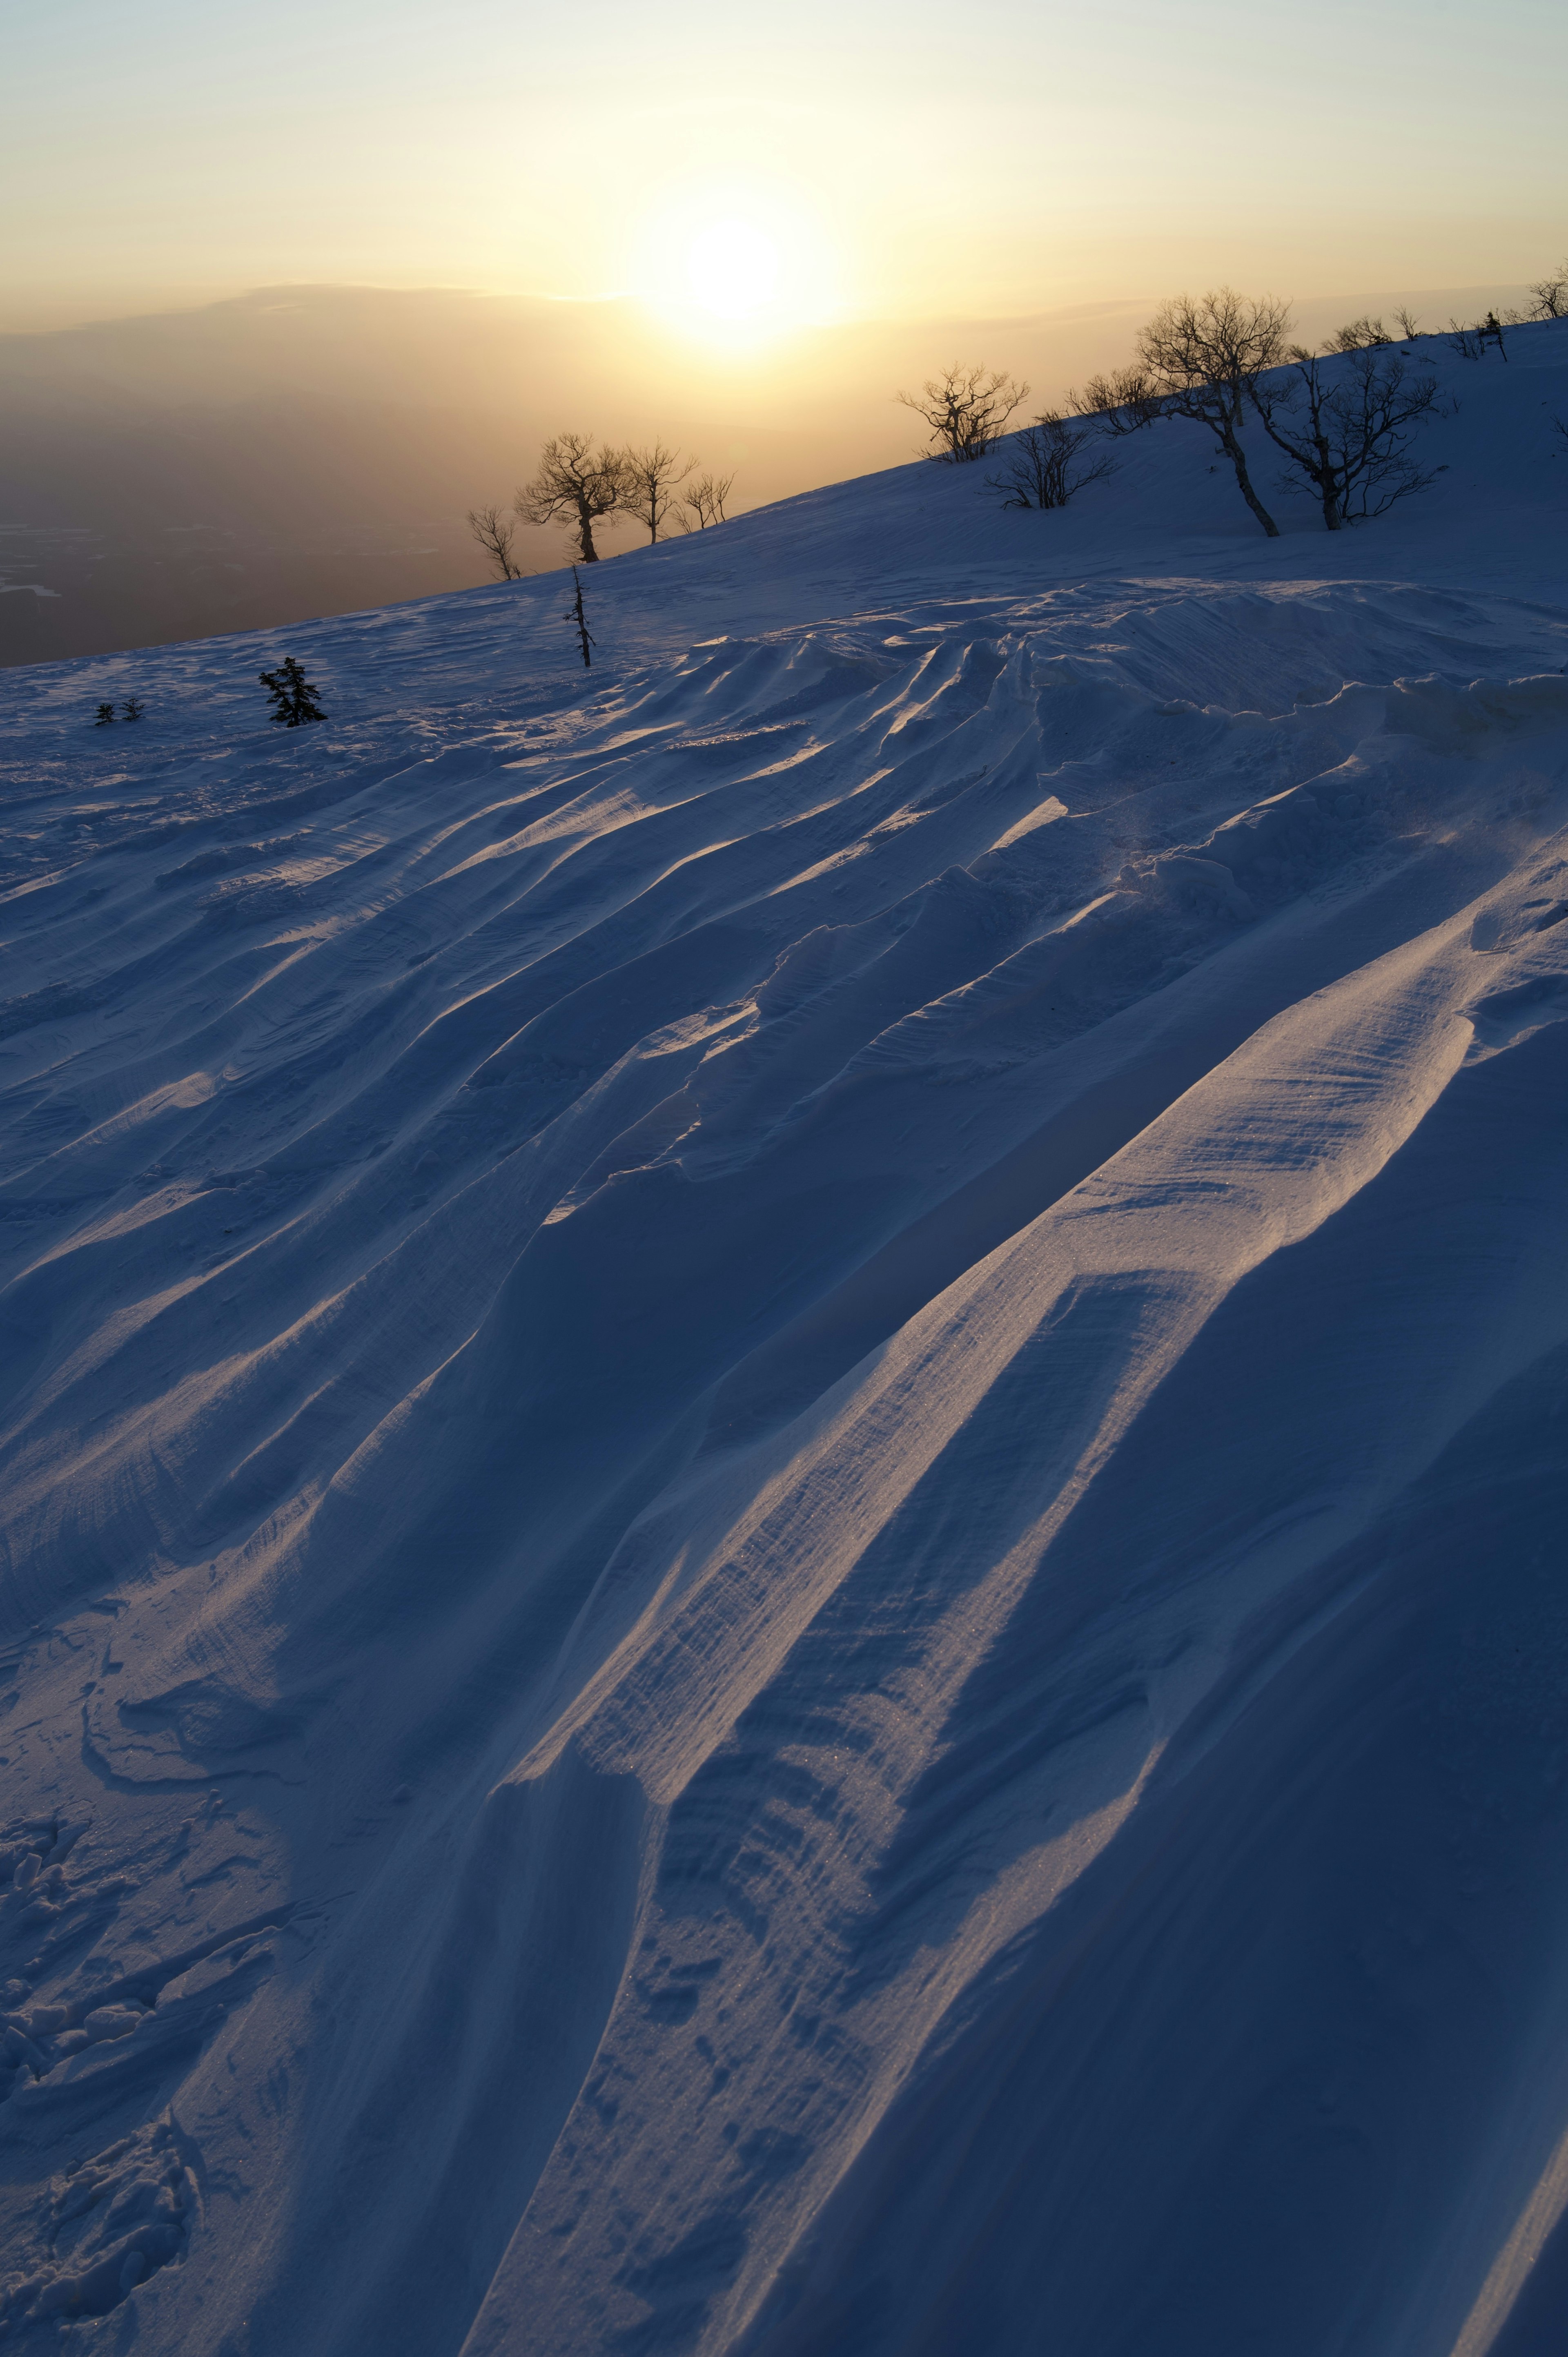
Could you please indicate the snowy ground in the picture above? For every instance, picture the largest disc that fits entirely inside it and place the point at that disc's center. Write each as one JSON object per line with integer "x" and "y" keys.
{"x": 786, "y": 1440}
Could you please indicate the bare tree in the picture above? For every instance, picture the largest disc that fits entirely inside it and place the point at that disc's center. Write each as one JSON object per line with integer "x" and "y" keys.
{"x": 1407, "y": 325}
{"x": 1357, "y": 336}
{"x": 576, "y": 482}
{"x": 704, "y": 503}
{"x": 966, "y": 409}
{"x": 1559, "y": 427}
{"x": 1204, "y": 358}
{"x": 494, "y": 536}
{"x": 1124, "y": 402}
{"x": 1471, "y": 342}
{"x": 1347, "y": 433}
{"x": 1038, "y": 468}
{"x": 1550, "y": 293}
{"x": 651, "y": 476}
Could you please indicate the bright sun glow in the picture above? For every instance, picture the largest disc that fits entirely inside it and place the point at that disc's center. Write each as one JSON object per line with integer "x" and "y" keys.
{"x": 735, "y": 266}
{"x": 733, "y": 270}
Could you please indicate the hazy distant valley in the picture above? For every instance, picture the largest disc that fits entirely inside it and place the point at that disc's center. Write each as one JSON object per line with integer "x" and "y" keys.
{"x": 313, "y": 450}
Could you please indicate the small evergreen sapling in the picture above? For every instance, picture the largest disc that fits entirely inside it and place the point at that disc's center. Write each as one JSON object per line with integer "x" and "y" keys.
{"x": 105, "y": 715}
{"x": 579, "y": 620}
{"x": 295, "y": 700}
{"x": 133, "y": 707}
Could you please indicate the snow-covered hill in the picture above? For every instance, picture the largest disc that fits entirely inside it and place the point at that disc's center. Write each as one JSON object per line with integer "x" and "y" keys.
{"x": 786, "y": 1444}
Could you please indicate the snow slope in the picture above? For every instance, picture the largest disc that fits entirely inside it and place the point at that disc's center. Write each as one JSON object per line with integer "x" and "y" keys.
{"x": 786, "y": 1434}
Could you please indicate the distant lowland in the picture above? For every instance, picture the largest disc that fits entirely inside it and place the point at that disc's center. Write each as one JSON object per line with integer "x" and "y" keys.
{"x": 312, "y": 450}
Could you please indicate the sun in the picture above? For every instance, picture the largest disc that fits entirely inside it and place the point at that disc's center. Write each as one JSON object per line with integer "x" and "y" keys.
{"x": 735, "y": 266}
{"x": 733, "y": 269}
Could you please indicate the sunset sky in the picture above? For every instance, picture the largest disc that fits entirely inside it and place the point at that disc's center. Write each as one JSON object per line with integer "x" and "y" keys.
{"x": 743, "y": 169}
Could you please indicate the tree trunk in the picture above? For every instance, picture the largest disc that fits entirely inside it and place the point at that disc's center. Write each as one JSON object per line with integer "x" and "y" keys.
{"x": 1238, "y": 458}
{"x": 1327, "y": 485}
{"x": 585, "y": 530}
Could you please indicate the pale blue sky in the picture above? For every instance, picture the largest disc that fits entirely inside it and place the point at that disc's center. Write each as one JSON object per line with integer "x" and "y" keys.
{"x": 901, "y": 160}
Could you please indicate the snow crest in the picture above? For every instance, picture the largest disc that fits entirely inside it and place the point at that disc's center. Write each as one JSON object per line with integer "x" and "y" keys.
{"x": 783, "y": 1470}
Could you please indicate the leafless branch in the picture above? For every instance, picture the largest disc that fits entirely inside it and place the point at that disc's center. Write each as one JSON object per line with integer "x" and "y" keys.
{"x": 1040, "y": 467}
{"x": 494, "y": 536}
{"x": 1203, "y": 358}
{"x": 651, "y": 476}
{"x": 1550, "y": 293}
{"x": 1125, "y": 402}
{"x": 966, "y": 410}
{"x": 1347, "y": 432}
{"x": 1357, "y": 335}
{"x": 1471, "y": 342}
{"x": 575, "y": 483}
{"x": 704, "y": 503}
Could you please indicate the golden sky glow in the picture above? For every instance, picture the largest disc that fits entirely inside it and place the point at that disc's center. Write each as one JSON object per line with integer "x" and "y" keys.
{"x": 745, "y": 169}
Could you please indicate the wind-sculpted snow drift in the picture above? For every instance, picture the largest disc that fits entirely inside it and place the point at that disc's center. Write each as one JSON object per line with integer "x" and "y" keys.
{"x": 786, "y": 1437}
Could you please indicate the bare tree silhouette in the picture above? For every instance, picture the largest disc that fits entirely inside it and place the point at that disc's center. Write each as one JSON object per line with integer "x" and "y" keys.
{"x": 494, "y": 536}
{"x": 1123, "y": 403}
{"x": 704, "y": 503}
{"x": 966, "y": 409}
{"x": 1204, "y": 358}
{"x": 575, "y": 483}
{"x": 1038, "y": 468}
{"x": 1551, "y": 293}
{"x": 652, "y": 477}
{"x": 1347, "y": 432}
{"x": 1357, "y": 336}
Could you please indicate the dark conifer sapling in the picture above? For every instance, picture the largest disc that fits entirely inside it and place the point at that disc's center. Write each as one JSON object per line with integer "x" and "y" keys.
{"x": 575, "y": 615}
{"x": 295, "y": 700}
{"x": 133, "y": 707}
{"x": 105, "y": 715}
